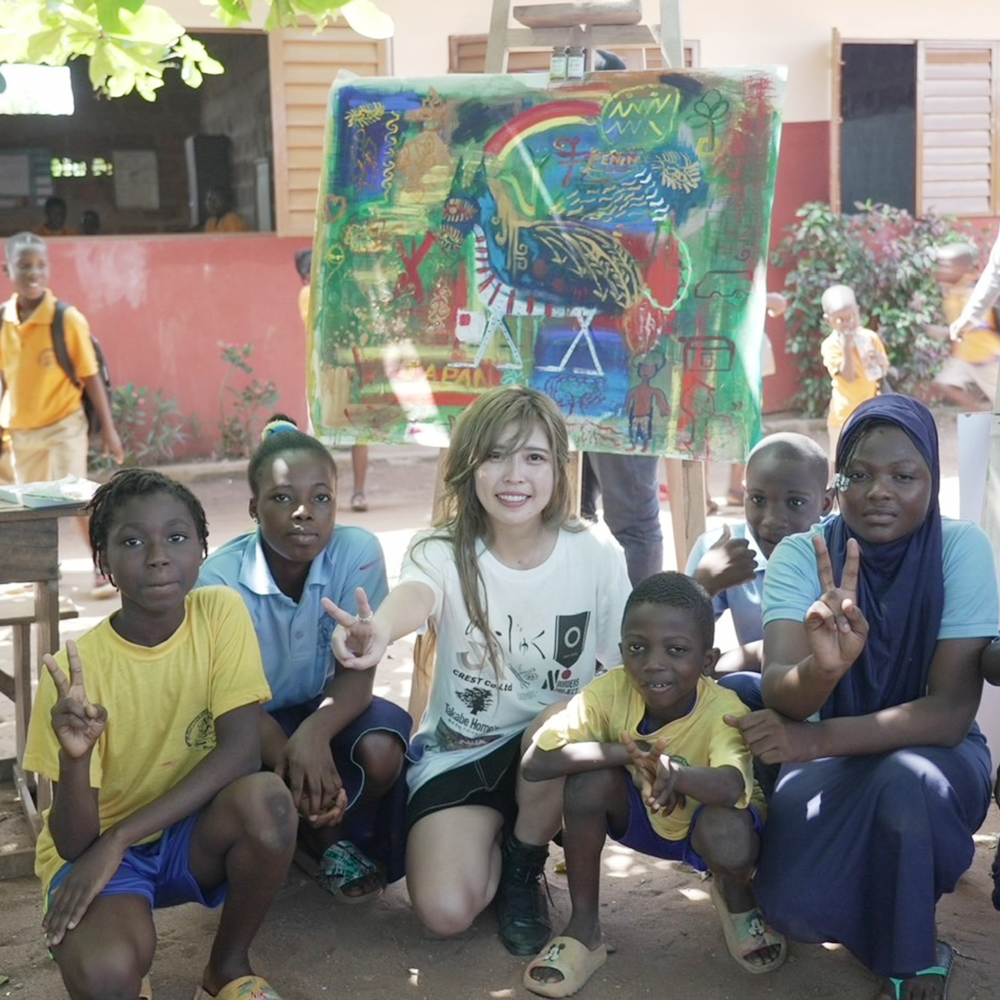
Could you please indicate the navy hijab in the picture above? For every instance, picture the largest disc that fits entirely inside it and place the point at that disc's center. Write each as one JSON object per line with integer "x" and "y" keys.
{"x": 901, "y": 583}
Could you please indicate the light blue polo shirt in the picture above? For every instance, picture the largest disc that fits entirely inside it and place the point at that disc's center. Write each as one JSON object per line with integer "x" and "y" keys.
{"x": 295, "y": 637}
{"x": 745, "y": 599}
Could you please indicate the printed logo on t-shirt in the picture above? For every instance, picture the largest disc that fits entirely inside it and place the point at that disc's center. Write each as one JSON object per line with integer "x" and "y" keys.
{"x": 446, "y": 738}
{"x": 200, "y": 734}
{"x": 571, "y": 634}
{"x": 475, "y": 699}
{"x": 561, "y": 681}
{"x": 47, "y": 358}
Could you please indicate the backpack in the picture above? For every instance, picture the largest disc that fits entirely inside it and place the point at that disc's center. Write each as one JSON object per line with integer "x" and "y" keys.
{"x": 66, "y": 364}
{"x": 62, "y": 356}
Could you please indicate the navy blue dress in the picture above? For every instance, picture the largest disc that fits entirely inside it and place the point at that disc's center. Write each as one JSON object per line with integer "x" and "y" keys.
{"x": 859, "y": 849}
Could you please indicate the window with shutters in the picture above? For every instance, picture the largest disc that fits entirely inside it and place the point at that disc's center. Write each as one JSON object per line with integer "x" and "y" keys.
{"x": 467, "y": 54}
{"x": 304, "y": 63}
{"x": 916, "y": 126}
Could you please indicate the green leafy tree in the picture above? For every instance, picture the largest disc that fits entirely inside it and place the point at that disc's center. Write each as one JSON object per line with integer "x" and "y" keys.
{"x": 887, "y": 257}
{"x": 130, "y": 43}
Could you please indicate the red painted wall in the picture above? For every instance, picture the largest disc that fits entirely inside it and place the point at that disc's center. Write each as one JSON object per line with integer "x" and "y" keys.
{"x": 162, "y": 306}
{"x": 803, "y": 175}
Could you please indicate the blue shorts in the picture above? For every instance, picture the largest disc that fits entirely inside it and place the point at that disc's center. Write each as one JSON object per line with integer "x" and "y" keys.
{"x": 377, "y": 828}
{"x": 159, "y": 872}
{"x": 380, "y": 716}
{"x": 642, "y": 837}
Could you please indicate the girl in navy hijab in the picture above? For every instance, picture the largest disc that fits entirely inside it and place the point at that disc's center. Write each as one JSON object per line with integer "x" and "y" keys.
{"x": 873, "y": 627}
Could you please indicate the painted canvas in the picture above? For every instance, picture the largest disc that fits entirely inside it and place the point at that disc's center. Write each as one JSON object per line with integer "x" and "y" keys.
{"x": 603, "y": 240}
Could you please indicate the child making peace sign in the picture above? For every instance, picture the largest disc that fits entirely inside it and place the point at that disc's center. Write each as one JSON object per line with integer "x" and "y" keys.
{"x": 159, "y": 798}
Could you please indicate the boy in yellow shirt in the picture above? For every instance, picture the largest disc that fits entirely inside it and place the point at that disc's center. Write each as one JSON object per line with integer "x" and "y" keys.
{"x": 854, "y": 356}
{"x": 47, "y": 425}
{"x": 699, "y": 804}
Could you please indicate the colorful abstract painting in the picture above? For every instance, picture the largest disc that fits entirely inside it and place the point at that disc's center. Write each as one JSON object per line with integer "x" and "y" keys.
{"x": 602, "y": 240}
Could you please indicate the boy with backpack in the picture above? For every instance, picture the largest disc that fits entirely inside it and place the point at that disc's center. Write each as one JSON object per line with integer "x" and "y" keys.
{"x": 48, "y": 424}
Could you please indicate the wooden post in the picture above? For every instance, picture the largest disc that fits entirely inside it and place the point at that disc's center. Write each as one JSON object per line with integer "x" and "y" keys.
{"x": 688, "y": 499}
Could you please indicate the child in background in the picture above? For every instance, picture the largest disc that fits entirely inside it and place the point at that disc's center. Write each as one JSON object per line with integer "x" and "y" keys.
{"x": 338, "y": 748}
{"x": 222, "y": 217}
{"x": 854, "y": 356}
{"x": 359, "y": 452}
{"x": 975, "y": 354}
{"x": 699, "y": 802}
{"x": 159, "y": 797}
{"x": 525, "y": 602}
{"x": 55, "y": 219}
{"x": 785, "y": 492}
{"x": 47, "y": 424}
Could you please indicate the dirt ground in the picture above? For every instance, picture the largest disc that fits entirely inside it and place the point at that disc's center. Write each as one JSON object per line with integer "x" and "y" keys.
{"x": 657, "y": 916}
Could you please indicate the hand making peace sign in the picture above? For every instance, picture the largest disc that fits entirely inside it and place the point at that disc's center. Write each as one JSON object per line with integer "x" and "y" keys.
{"x": 835, "y": 626}
{"x": 358, "y": 642}
{"x": 77, "y": 723}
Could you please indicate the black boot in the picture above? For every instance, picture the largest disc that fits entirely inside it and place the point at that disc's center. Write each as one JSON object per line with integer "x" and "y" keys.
{"x": 522, "y": 910}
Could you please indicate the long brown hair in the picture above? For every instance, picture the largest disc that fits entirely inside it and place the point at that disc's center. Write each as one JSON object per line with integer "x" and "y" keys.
{"x": 463, "y": 521}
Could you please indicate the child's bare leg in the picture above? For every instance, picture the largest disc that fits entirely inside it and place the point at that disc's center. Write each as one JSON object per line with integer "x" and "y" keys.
{"x": 245, "y": 836}
{"x": 359, "y": 466}
{"x": 594, "y": 802}
{"x": 726, "y": 839}
{"x": 106, "y": 955}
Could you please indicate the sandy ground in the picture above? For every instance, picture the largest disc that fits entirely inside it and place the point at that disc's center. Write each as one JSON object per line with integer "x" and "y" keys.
{"x": 657, "y": 916}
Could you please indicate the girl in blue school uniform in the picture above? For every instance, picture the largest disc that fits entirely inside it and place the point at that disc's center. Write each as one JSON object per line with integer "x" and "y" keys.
{"x": 339, "y": 748}
{"x": 876, "y": 621}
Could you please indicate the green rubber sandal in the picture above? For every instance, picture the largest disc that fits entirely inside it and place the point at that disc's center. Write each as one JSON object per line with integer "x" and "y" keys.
{"x": 342, "y": 864}
{"x": 945, "y": 958}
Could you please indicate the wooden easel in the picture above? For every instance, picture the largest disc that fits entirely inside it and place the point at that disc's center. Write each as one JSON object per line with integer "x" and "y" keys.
{"x": 590, "y": 24}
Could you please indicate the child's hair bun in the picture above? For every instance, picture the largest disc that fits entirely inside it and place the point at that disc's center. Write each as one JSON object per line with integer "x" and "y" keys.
{"x": 279, "y": 424}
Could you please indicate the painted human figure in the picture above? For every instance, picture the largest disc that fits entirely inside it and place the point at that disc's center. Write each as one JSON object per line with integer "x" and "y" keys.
{"x": 644, "y": 398}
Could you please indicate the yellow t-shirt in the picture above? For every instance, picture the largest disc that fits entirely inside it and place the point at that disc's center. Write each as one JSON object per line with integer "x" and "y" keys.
{"x": 847, "y": 396}
{"x": 41, "y": 393}
{"x": 609, "y": 706}
{"x": 228, "y": 223}
{"x": 981, "y": 343}
{"x": 162, "y": 702}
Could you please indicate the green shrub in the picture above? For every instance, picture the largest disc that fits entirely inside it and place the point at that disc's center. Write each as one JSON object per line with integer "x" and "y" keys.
{"x": 149, "y": 424}
{"x": 886, "y": 256}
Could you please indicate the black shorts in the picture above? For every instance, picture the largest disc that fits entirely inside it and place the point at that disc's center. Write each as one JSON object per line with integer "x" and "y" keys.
{"x": 489, "y": 781}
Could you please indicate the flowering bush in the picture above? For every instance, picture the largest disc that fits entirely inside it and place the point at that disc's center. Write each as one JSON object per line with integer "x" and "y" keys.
{"x": 884, "y": 254}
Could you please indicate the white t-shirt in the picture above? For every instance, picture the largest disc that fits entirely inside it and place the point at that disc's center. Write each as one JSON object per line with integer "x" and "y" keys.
{"x": 554, "y": 624}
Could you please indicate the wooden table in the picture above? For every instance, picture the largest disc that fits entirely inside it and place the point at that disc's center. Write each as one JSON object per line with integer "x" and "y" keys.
{"x": 29, "y": 553}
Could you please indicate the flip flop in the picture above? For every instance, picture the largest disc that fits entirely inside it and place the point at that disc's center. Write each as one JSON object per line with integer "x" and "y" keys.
{"x": 746, "y": 933}
{"x": 343, "y": 864}
{"x": 572, "y": 958}
{"x": 244, "y": 988}
{"x": 358, "y": 502}
{"x": 945, "y": 961}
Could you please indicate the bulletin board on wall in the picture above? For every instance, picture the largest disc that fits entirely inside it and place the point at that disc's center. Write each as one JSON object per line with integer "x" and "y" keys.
{"x": 25, "y": 177}
{"x": 603, "y": 240}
